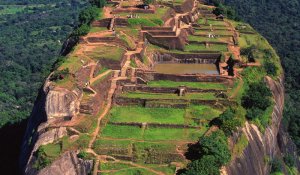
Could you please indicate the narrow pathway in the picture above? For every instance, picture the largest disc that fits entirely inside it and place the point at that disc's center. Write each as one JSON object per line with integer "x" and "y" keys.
{"x": 92, "y": 80}
{"x": 106, "y": 109}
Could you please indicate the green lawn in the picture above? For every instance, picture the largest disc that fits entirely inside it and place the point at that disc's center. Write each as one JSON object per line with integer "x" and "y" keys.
{"x": 175, "y": 134}
{"x": 150, "y": 115}
{"x": 152, "y": 134}
{"x": 216, "y": 32}
{"x": 200, "y": 85}
{"x": 122, "y": 132}
{"x": 202, "y": 112}
{"x": 143, "y": 95}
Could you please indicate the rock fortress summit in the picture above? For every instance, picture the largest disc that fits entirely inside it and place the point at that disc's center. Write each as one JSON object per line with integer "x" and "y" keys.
{"x": 165, "y": 87}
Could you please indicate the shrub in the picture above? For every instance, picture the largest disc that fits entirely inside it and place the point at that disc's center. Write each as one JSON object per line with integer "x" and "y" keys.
{"x": 227, "y": 121}
{"x": 204, "y": 166}
{"x": 249, "y": 53}
{"x": 88, "y": 14}
{"x": 60, "y": 60}
{"x": 289, "y": 160}
{"x": 253, "y": 113}
{"x": 59, "y": 74}
{"x": 257, "y": 96}
{"x": 46, "y": 154}
{"x": 83, "y": 30}
{"x": 214, "y": 153}
{"x": 99, "y": 3}
{"x": 270, "y": 67}
{"x": 215, "y": 145}
{"x": 275, "y": 165}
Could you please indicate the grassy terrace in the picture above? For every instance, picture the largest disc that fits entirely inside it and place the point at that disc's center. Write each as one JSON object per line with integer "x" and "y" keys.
{"x": 151, "y": 134}
{"x": 216, "y": 32}
{"x": 125, "y": 169}
{"x": 215, "y": 22}
{"x": 203, "y": 39}
{"x": 106, "y": 52}
{"x": 190, "y": 116}
{"x": 143, "y": 95}
{"x": 152, "y": 115}
{"x": 202, "y": 47}
{"x": 200, "y": 85}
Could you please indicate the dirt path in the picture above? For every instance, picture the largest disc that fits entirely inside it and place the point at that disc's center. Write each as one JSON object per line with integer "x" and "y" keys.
{"x": 238, "y": 88}
{"x": 106, "y": 109}
{"x": 92, "y": 80}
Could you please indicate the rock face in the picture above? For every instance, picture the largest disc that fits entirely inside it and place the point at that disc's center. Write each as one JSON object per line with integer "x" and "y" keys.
{"x": 61, "y": 103}
{"x": 262, "y": 146}
{"x": 52, "y": 105}
{"x": 68, "y": 164}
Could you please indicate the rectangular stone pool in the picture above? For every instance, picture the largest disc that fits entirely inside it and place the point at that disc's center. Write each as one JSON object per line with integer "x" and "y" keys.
{"x": 176, "y": 68}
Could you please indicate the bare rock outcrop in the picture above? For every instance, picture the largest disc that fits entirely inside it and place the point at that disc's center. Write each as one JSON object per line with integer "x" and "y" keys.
{"x": 68, "y": 164}
{"x": 52, "y": 105}
{"x": 262, "y": 146}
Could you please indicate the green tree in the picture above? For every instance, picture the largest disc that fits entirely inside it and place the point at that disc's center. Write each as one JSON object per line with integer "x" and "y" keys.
{"x": 82, "y": 30}
{"x": 100, "y": 3}
{"x": 215, "y": 145}
{"x": 257, "y": 96}
{"x": 89, "y": 14}
{"x": 207, "y": 165}
{"x": 270, "y": 67}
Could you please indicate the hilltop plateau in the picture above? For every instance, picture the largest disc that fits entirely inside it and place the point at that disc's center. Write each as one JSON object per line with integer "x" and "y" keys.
{"x": 160, "y": 87}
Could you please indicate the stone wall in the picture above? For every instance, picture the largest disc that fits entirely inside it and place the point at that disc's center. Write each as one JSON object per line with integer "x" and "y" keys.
{"x": 200, "y": 58}
{"x": 143, "y": 88}
{"x": 153, "y": 76}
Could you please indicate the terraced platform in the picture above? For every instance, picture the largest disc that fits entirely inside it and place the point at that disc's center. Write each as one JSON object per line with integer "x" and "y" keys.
{"x": 149, "y": 83}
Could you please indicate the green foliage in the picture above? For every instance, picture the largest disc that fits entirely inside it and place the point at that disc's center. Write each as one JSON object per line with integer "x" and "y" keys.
{"x": 270, "y": 67}
{"x": 89, "y": 14}
{"x": 99, "y": 3}
{"x": 158, "y": 21}
{"x": 215, "y": 145}
{"x": 82, "y": 30}
{"x": 283, "y": 35}
{"x": 248, "y": 52}
{"x": 228, "y": 121}
{"x": 85, "y": 155}
{"x": 30, "y": 43}
{"x": 289, "y": 160}
{"x": 224, "y": 10}
{"x": 46, "y": 154}
{"x": 214, "y": 153}
{"x": 257, "y": 96}
{"x": 59, "y": 74}
{"x": 207, "y": 165}
{"x": 276, "y": 165}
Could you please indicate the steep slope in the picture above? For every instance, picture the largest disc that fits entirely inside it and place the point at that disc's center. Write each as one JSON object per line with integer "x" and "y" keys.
{"x": 137, "y": 92}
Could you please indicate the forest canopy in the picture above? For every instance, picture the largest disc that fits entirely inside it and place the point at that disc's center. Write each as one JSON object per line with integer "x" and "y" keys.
{"x": 32, "y": 34}
{"x": 278, "y": 21}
